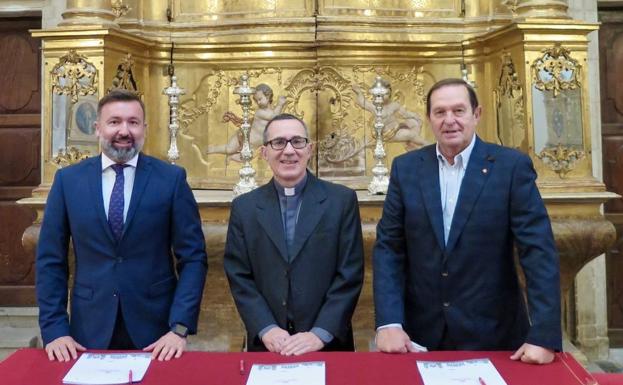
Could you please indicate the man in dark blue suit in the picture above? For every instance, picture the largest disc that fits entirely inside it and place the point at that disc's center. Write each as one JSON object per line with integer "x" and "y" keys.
{"x": 294, "y": 252}
{"x": 140, "y": 262}
{"x": 444, "y": 271}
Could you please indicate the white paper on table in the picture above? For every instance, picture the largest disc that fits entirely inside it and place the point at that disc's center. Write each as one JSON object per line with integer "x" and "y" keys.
{"x": 467, "y": 372}
{"x": 108, "y": 368}
{"x": 295, "y": 373}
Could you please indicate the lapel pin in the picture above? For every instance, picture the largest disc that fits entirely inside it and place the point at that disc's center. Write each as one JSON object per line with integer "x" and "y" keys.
{"x": 484, "y": 170}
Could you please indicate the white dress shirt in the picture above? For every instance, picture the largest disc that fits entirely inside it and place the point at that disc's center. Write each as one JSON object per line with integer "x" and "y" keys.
{"x": 108, "y": 181}
{"x": 450, "y": 179}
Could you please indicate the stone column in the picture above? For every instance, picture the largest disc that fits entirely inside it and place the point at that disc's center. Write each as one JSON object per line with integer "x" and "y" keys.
{"x": 591, "y": 305}
{"x": 89, "y": 12}
{"x": 591, "y": 310}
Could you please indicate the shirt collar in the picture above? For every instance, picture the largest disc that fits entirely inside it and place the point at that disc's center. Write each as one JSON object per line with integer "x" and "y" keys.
{"x": 107, "y": 162}
{"x": 291, "y": 191}
{"x": 462, "y": 157}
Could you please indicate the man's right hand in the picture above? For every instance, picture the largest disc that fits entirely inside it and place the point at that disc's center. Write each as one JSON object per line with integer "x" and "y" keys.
{"x": 393, "y": 340}
{"x": 275, "y": 339}
{"x": 63, "y": 349}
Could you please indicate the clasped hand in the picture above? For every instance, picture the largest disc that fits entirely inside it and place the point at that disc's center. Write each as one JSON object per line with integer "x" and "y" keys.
{"x": 280, "y": 341}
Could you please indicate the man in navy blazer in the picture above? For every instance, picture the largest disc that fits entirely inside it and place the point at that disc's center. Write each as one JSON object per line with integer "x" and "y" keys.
{"x": 294, "y": 252}
{"x": 140, "y": 261}
{"x": 444, "y": 271}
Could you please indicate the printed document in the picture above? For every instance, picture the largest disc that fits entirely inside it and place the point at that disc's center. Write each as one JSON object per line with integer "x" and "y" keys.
{"x": 296, "y": 373}
{"x": 108, "y": 368}
{"x": 467, "y": 372}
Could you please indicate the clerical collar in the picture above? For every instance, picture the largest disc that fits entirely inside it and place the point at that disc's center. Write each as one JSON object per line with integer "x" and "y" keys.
{"x": 291, "y": 191}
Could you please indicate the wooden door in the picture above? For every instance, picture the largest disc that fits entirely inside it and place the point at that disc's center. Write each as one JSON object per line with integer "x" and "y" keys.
{"x": 611, "y": 70}
{"x": 20, "y": 137}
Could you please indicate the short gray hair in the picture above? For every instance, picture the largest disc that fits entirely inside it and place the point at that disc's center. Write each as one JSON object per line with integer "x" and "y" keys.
{"x": 283, "y": 117}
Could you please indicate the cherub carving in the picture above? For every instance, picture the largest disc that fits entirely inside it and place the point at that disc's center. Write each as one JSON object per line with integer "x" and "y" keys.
{"x": 401, "y": 125}
{"x": 263, "y": 97}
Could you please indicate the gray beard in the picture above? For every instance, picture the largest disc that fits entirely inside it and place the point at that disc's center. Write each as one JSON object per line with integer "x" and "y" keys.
{"x": 119, "y": 155}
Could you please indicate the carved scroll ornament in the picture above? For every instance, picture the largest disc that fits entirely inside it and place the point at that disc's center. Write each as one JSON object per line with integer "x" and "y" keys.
{"x": 556, "y": 71}
{"x": 74, "y": 76}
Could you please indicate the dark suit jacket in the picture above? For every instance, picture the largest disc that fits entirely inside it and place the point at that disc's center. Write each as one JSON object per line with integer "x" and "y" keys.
{"x": 138, "y": 272}
{"x": 469, "y": 285}
{"x": 326, "y": 272}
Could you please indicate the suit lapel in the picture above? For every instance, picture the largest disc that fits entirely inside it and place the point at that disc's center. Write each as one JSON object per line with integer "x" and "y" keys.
{"x": 269, "y": 215}
{"x": 428, "y": 180}
{"x": 309, "y": 215}
{"x": 141, "y": 176}
{"x": 478, "y": 170}
{"x": 95, "y": 183}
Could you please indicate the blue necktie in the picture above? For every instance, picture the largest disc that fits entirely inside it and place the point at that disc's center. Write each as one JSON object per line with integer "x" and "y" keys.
{"x": 115, "y": 208}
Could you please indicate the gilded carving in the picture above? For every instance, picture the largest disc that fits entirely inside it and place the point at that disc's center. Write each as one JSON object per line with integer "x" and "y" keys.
{"x": 338, "y": 145}
{"x": 74, "y": 76}
{"x": 560, "y": 158}
{"x": 399, "y": 124}
{"x": 415, "y": 77}
{"x": 511, "y": 5}
{"x": 124, "y": 78}
{"x": 263, "y": 97}
{"x": 556, "y": 71}
{"x": 119, "y": 9}
{"x": 212, "y": 84}
{"x": 72, "y": 156}
{"x": 511, "y": 126}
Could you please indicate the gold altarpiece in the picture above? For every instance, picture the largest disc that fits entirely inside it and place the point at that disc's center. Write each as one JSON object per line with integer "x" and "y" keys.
{"x": 527, "y": 59}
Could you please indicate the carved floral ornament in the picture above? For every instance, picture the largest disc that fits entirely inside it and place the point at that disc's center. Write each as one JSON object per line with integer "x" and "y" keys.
{"x": 119, "y": 9}
{"x": 72, "y": 156}
{"x": 561, "y": 159}
{"x": 213, "y": 83}
{"x": 556, "y": 71}
{"x": 74, "y": 76}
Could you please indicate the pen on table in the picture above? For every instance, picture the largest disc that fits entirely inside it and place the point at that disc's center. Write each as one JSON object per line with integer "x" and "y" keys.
{"x": 481, "y": 381}
{"x": 241, "y": 367}
{"x": 130, "y": 376}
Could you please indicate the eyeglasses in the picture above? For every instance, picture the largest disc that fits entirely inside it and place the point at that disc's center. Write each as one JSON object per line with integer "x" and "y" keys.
{"x": 297, "y": 142}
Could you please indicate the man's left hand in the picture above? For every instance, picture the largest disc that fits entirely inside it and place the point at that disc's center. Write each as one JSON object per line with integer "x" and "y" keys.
{"x": 301, "y": 343}
{"x": 533, "y": 354}
{"x": 168, "y": 346}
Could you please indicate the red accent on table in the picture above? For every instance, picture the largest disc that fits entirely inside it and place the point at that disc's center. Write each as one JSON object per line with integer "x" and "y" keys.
{"x": 32, "y": 367}
{"x": 609, "y": 378}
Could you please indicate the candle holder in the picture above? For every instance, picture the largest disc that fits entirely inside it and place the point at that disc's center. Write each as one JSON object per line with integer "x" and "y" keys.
{"x": 173, "y": 92}
{"x": 247, "y": 173}
{"x": 380, "y": 180}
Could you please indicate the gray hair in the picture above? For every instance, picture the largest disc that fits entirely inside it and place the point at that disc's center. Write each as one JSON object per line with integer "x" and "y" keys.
{"x": 283, "y": 117}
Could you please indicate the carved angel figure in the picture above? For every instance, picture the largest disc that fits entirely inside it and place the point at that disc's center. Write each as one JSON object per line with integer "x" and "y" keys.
{"x": 401, "y": 125}
{"x": 263, "y": 97}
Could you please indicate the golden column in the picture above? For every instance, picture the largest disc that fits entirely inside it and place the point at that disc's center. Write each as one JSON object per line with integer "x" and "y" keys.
{"x": 542, "y": 8}
{"x": 89, "y": 12}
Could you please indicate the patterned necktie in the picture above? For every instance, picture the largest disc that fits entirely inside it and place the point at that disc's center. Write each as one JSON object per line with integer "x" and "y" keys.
{"x": 115, "y": 208}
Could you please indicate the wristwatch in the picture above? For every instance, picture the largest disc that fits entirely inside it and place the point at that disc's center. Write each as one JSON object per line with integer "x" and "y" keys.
{"x": 180, "y": 330}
